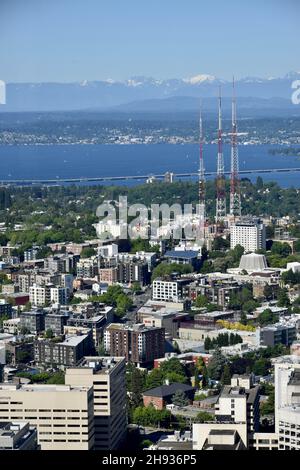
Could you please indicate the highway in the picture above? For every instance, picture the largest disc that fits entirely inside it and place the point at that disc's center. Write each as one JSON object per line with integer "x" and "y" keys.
{"x": 60, "y": 181}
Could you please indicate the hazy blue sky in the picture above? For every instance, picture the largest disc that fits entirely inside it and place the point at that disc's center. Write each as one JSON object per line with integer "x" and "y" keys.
{"x": 69, "y": 40}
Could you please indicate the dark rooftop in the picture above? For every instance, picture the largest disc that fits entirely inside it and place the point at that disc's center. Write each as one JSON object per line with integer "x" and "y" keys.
{"x": 188, "y": 254}
{"x": 167, "y": 390}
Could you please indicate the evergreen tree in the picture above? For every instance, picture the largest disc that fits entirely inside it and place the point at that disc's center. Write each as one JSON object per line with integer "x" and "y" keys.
{"x": 179, "y": 398}
{"x": 283, "y": 298}
{"x": 154, "y": 379}
{"x": 137, "y": 387}
{"x": 226, "y": 375}
{"x": 201, "y": 369}
{"x": 216, "y": 365}
{"x": 207, "y": 343}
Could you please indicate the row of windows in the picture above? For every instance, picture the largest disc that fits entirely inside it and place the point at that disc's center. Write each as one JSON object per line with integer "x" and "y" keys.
{"x": 50, "y": 418}
{"x": 64, "y": 440}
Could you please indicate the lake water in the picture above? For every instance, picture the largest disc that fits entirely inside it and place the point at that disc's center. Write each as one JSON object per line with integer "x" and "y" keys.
{"x": 79, "y": 161}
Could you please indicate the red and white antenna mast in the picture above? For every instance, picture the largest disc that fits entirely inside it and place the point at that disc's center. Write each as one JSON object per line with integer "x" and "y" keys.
{"x": 235, "y": 190}
{"x": 220, "y": 181}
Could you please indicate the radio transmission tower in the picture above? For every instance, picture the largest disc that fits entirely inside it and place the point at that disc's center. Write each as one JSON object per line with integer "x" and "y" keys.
{"x": 220, "y": 181}
{"x": 235, "y": 190}
{"x": 202, "y": 211}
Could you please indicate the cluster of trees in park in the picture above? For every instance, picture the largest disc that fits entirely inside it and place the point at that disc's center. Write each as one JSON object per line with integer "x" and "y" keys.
{"x": 165, "y": 269}
{"x": 115, "y": 297}
{"x": 223, "y": 339}
{"x": 149, "y": 416}
{"x": 258, "y": 361}
{"x": 266, "y": 317}
{"x": 281, "y": 253}
{"x": 140, "y": 244}
{"x": 203, "y": 302}
{"x": 289, "y": 277}
{"x": 88, "y": 252}
{"x": 243, "y": 300}
{"x": 221, "y": 368}
{"x": 220, "y": 260}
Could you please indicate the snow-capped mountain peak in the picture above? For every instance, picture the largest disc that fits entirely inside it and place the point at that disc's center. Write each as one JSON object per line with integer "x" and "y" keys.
{"x": 199, "y": 79}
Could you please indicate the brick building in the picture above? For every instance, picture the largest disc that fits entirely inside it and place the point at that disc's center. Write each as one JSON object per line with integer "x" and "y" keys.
{"x": 139, "y": 344}
{"x": 159, "y": 397}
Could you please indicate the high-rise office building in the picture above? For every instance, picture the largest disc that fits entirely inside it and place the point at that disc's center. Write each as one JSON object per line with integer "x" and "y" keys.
{"x": 106, "y": 376}
{"x": 62, "y": 414}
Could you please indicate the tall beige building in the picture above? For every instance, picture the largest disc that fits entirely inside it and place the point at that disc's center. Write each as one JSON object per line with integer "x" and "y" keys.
{"x": 62, "y": 414}
{"x": 106, "y": 376}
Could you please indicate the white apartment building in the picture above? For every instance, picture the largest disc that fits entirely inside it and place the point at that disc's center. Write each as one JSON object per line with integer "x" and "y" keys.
{"x": 43, "y": 295}
{"x": 59, "y": 295}
{"x": 107, "y": 251}
{"x": 62, "y": 414}
{"x": 39, "y": 295}
{"x": 165, "y": 290}
{"x": 250, "y": 233}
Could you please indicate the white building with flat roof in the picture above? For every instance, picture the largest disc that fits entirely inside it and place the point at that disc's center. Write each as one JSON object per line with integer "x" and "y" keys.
{"x": 62, "y": 414}
{"x": 250, "y": 233}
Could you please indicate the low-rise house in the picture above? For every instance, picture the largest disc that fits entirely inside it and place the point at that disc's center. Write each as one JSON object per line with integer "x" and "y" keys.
{"x": 161, "y": 396}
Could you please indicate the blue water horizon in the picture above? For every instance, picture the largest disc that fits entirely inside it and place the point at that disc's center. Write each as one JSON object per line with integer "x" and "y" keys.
{"x": 36, "y": 162}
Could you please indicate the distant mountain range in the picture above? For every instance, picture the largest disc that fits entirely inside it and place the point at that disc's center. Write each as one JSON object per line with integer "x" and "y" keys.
{"x": 146, "y": 94}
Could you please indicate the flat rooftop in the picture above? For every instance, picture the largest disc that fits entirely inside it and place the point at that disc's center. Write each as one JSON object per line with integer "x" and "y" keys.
{"x": 140, "y": 327}
{"x": 42, "y": 388}
{"x": 229, "y": 391}
{"x": 214, "y": 314}
{"x": 73, "y": 340}
{"x": 99, "y": 365}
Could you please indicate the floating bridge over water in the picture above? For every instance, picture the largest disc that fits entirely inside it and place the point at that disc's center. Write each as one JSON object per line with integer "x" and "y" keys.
{"x": 93, "y": 179}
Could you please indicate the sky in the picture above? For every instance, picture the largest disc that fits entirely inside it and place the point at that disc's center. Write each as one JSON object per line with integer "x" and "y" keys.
{"x": 75, "y": 40}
